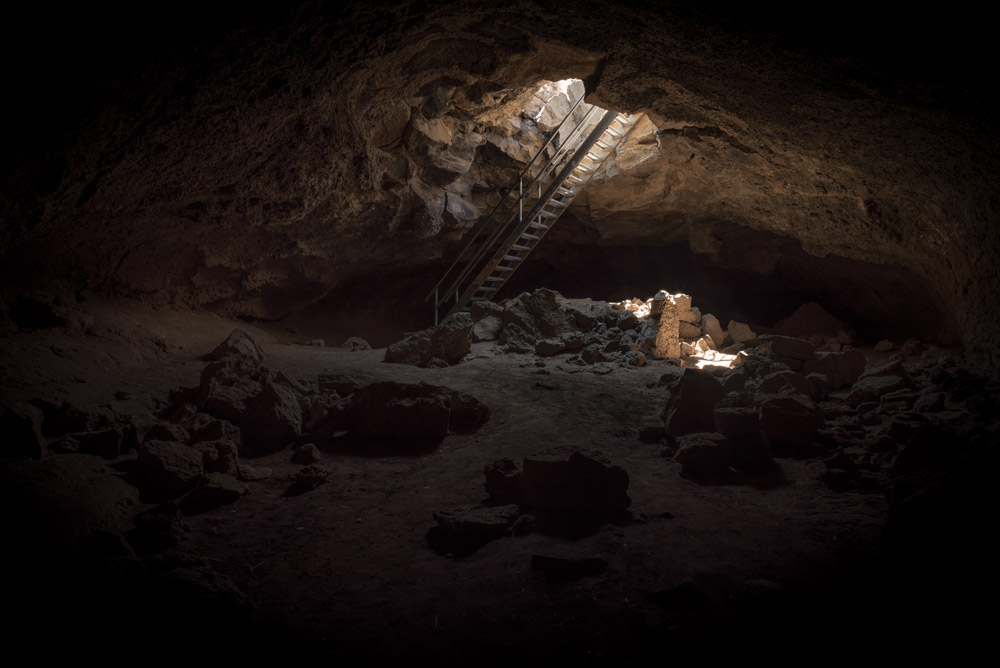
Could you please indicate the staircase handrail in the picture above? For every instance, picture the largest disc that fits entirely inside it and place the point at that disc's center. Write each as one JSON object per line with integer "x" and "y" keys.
{"x": 518, "y": 184}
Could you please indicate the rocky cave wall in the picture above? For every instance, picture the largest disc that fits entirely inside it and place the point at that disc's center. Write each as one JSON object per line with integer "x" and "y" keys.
{"x": 259, "y": 164}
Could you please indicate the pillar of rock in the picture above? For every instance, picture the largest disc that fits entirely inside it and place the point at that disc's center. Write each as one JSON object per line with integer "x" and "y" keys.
{"x": 668, "y": 345}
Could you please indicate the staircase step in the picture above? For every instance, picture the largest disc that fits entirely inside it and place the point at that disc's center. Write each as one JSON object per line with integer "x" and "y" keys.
{"x": 503, "y": 269}
{"x": 518, "y": 247}
{"x": 525, "y": 235}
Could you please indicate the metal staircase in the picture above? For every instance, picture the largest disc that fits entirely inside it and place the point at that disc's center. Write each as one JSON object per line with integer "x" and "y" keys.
{"x": 529, "y": 208}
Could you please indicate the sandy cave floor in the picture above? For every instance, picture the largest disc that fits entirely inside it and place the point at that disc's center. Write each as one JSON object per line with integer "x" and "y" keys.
{"x": 345, "y": 569}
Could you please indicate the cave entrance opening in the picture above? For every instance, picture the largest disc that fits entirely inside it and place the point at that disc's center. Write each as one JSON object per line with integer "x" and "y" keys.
{"x": 581, "y": 137}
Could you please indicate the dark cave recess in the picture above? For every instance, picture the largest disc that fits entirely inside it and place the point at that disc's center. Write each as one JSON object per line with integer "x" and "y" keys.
{"x": 877, "y": 302}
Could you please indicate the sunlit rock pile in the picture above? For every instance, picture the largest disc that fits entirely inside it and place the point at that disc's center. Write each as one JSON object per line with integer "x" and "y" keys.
{"x": 582, "y": 333}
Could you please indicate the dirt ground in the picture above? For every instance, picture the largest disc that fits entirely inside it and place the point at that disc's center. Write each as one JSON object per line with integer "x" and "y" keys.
{"x": 345, "y": 571}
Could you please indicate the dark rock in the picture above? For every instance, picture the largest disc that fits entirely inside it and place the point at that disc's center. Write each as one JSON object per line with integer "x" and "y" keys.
{"x": 355, "y": 343}
{"x": 703, "y": 453}
{"x": 821, "y": 386}
{"x": 462, "y": 531}
{"x": 449, "y": 341}
{"x": 219, "y": 456}
{"x": 843, "y": 368}
{"x": 572, "y": 340}
{"x": 212, "y": 429}
{"x": 225, "y": 388}
{"x": 105, "y": 443}
{"x": 549, "y": 347}
{"x": 166, "y": 431}
{"x": 417, "y": 412}
{"x": 484, "y": 309}
{"x": 330, "y": 418}
{"x": 786, "y": 346}
{"x": 691, "y": 406}
{"x": 652, "y": 430}
{"x": 592, "y": 355}
{"x": 436, "y": 363}
{"x": 503, "y": 482}
{"x": 21, "y": 432}
{"x": 872, "y": 388}
{"x": 64, "y": 418}
{"x": 486, "y": 328}
{"x": 736, "y": 421}
{"x": 635, "y": 358}
{"x": 157, "y": 529}
{"x": 556, "y": 568}
{"x": 776, "y": 382}
{"x": 217, "y": 491}
{"x": 239, "y": 344}
{"x": 306, "y": 454}
{"x": 342, "y": 385}
{"x": 272, "y": 421}
{"x": 517, "y": 339}
{"x": 789, "y": 422}
{"x": 168, "y": 469}
{"x": 467, "y": 413}
{"x": 309, "y": 478}
{"x": 583, "y": 483}
{"x": 248, "y": 473}
{"x": 751, "y": 453}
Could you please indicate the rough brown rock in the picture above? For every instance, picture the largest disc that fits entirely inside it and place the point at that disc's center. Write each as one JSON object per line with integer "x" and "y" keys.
{"x": 449, "y": 341}
{"x": 272, "y": 420}
{"x": 692, "y": 401}
{"x": 583, "y": 483}
{"x": 21, "y": 427}
{"x": 168, "y": 469}
{"x": 404, "y": 411}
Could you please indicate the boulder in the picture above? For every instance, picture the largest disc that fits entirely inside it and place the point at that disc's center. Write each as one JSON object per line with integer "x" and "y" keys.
{"x": 238, "y": 344}
{"x": 167, "y": 469}
{"x": 740, "y": 332}
{"x": 692, "y": 316}
{"x": 219, "y": 456}
{"x": 808, "y": 319}
{"x": 713, "y": 328}
{"x": 790, "y": 422}
{"x": 737, "y": 421}
{"x": 106, "y": 443}
{"x": 517, "y": 339}
{"x": 503, "y": 482}
{"x": 691, "y": 406}
{"x": 873, "y": 388}
{"x": 462, "y": 531}
{"x": 841, "y": 368}
{"x": 272, "y": 421}
{"x": 21, "y": 432}
{"x": 549, "y": 347}
{"x": 402, "y": 411}
{"x": 467, "y": 413}
{"x": 688, "y": 331}
{"x": 584, "y": 483}
{"x": 486, "y": 328}
{"x": 449, "y": 341}
{"x": 306, "y": 454}
{"x": 786, "y": 346}
{"x": 703, "y": 453}
{"x": 218, "y": 490}
{"x": 355, "y": 343}
{"x": 342, "y": 385}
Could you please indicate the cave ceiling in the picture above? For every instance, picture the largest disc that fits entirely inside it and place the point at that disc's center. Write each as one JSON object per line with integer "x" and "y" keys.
{"x": 255, "y": 163}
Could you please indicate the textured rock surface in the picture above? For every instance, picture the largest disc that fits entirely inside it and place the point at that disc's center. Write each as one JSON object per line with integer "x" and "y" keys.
{"x": 275, "y": 160}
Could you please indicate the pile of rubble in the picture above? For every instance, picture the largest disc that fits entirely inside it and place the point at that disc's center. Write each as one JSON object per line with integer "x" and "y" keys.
{"x": 582, "y": 332}
{"x": 193, "y": 452}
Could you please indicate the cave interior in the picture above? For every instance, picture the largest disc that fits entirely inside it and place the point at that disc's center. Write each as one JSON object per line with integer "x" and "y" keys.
{"x": 306, "y": 173}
